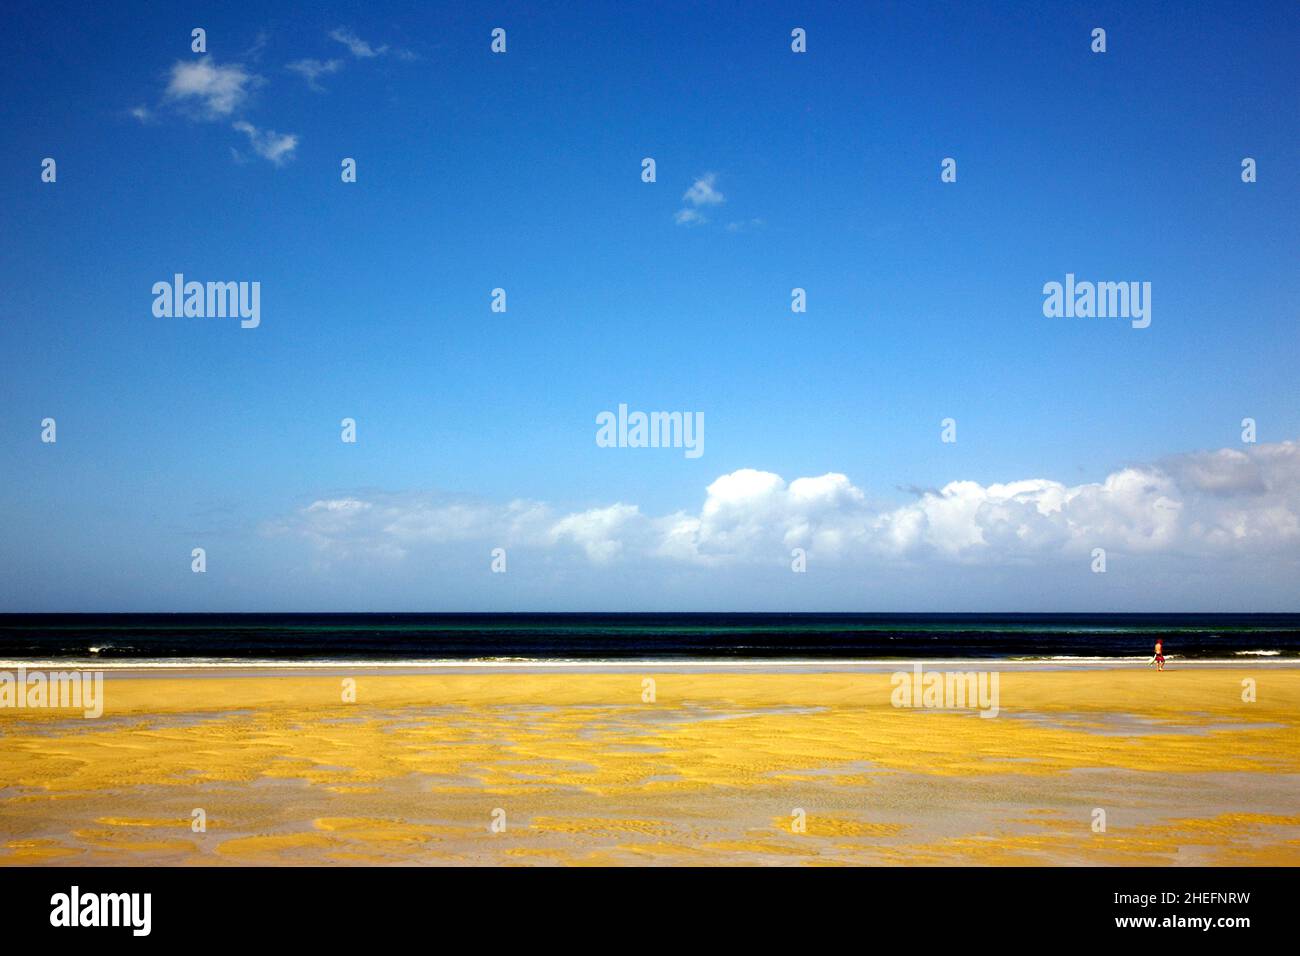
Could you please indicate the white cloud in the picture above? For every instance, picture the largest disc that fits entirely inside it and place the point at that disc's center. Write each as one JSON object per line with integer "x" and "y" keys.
{"x": 703, "y": 192}
{"x": 267, "y": 143}
{"x": 359, "y": 47}
{"x": 142, "y": 113}
{"x": 312, "y": 70}
{"x": 215, "y": 91}
{"x": 1225, "y": 504}
{"x": 1229, "y": 471}
{"x": 599, "y": 532}
{"x": 392, "y": 525}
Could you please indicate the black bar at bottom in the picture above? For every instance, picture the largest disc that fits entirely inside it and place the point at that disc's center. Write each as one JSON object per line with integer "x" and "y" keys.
{"x": 955, "y": 906}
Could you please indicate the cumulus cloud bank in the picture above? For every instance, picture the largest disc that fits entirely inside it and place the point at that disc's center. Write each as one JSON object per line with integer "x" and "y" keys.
{"x": 1225, "y": 503}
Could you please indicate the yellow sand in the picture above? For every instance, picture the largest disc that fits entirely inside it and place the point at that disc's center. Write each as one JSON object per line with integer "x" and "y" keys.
{"x": 576, "y": 768}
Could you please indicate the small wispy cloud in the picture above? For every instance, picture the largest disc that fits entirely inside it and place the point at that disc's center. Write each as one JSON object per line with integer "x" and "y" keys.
{"x": 359, "y": 47}
{"x": 702, "y": 193}
{"x": 254, "y": 52}
{"x": 206, "y": 90}
{"x": 743, "y": 225}
{"x": 312, "y": 70}
{"x": 215, "y": 92}
{"x": 267, "y": 143}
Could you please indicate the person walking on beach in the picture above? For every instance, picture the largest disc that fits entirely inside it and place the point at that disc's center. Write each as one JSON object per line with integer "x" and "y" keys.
{"x": 1160, "y": 655}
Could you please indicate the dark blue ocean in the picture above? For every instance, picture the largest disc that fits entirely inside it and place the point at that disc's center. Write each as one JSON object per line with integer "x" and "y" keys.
{"x": 121, "y": 638}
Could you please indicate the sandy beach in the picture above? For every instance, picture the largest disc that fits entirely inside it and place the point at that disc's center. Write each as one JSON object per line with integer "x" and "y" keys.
{"x": 591, "y": 766}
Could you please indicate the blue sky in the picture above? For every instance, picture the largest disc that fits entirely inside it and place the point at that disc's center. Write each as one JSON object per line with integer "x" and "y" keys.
{"x": 523, "y": 171}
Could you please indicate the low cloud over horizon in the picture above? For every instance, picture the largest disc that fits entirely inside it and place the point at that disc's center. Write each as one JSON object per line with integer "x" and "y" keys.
{"x": 1217, "y": 505}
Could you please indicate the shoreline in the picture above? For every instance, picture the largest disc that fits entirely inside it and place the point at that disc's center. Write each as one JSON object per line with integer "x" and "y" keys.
{"x": 327, "y": 668}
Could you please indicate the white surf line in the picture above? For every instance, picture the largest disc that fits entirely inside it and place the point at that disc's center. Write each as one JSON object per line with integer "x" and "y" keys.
{"x": 967, "y": 663}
